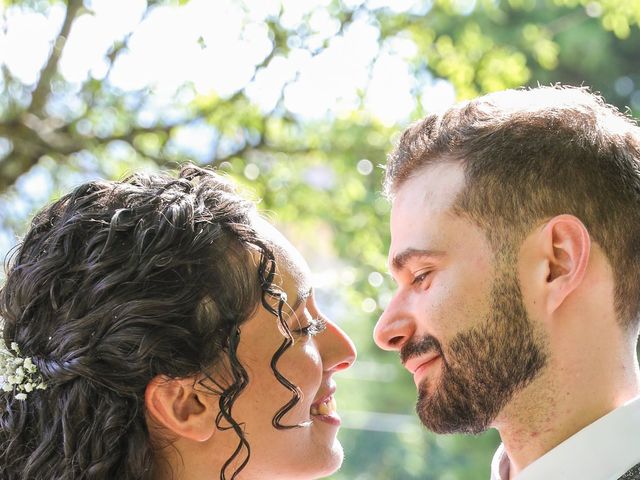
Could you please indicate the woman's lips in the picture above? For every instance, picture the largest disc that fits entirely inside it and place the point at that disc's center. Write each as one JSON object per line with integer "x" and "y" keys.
{"x": 325, "y": 411}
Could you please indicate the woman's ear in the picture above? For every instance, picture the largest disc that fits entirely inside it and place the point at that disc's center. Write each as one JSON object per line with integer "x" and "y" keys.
{"x": 181, "y": 408}
{"x": 566, "y": 246}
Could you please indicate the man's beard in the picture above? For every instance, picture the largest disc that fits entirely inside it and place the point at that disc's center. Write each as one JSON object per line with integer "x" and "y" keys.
{"x": 483, "y": 367}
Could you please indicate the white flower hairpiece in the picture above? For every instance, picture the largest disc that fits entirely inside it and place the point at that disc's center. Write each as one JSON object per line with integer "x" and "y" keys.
{"x": 18, "y": 374}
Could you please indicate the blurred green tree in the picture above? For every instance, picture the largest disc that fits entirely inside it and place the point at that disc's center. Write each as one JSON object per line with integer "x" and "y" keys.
{"x": 316, "y": 175}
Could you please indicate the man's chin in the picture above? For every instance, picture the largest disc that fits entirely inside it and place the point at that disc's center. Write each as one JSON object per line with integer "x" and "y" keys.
{"x": 442, "y": 417}
{"x": 442, "y": 425}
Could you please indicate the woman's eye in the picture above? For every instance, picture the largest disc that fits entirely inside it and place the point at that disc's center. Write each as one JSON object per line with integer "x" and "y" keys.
{"x": 314, "y": 327}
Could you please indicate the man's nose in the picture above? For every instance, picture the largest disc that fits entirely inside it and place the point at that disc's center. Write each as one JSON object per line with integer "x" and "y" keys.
{"x": 336, "y": 348}
{"x": 394, "y": 327}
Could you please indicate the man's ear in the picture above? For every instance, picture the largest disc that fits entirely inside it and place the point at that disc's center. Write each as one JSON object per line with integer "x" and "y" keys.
{"x": 177, "y": 405}
{"x": 566, "y": 247}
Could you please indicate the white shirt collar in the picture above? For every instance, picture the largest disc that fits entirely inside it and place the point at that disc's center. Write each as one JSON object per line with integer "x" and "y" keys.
{"x": 500, "y": 465}
{"x": 603, "y": 450}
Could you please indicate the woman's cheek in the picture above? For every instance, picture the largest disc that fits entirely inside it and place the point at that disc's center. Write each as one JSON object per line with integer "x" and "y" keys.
{"x": 306, "y": 366}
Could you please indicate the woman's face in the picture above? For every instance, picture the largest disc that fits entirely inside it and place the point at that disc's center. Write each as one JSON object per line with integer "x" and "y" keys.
{"x": 312, "y": 450}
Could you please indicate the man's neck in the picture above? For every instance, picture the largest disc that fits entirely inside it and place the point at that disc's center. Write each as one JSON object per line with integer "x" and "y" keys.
{"x": 543, "y": 416}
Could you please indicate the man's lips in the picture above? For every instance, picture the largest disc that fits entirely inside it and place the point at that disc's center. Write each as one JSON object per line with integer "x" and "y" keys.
{"x": 418, "y": 365}
{"x": 415, "y": 363}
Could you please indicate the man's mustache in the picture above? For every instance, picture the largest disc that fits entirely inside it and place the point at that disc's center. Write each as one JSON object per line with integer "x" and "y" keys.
{"x": 423, "y": 345}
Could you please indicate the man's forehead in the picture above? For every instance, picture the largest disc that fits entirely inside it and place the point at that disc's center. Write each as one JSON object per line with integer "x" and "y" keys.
{"x": 435, "y": 186}
{"x": 422, "y": 211}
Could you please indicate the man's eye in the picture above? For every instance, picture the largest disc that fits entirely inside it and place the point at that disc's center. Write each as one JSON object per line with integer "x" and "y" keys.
{"x": 314, "y": 327}
{"x": 418, "y": 279}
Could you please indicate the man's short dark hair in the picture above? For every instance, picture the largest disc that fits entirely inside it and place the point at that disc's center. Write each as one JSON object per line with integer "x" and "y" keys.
{"x": 529, "y": 155}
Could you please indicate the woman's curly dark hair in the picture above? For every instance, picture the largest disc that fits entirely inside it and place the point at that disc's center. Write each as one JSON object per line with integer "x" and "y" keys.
{"x": 114, "y": 284}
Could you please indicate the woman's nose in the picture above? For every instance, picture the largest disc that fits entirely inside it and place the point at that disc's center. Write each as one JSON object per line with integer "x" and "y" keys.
{"x": 336, "y": 348}
{"x": 394, "y": 327}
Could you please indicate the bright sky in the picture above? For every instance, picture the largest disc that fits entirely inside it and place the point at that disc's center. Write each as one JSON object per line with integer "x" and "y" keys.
{"x": 215, "y": 45}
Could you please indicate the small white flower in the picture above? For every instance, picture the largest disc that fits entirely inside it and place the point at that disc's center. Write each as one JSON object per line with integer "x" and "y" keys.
{"x": 18, "y": 374}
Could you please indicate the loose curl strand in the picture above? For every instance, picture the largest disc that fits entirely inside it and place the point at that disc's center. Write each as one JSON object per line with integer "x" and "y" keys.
{"x": 266, "y": 272}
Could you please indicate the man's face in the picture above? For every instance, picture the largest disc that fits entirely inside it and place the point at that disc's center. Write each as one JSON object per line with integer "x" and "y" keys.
{"x": 457, "y": 318}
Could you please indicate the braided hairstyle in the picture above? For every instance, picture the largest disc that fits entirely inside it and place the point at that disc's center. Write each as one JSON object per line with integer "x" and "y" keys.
{"x": 114, "y": 284}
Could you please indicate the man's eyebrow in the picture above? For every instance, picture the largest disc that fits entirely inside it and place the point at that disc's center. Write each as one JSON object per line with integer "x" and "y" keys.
{"x": 401, "y": 259}
{"x": 302, "y": 297}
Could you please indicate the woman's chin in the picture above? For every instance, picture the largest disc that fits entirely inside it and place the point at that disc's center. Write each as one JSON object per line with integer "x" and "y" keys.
{"x": 332, "y": 461}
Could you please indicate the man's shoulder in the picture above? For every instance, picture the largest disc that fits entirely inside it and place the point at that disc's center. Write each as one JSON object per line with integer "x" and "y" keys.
{"x": 633, "y": 474}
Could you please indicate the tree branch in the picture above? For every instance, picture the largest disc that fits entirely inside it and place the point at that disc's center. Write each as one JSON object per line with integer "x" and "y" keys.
{"x": 34, "y": 134}
{"x": 43, "y": 88}
{"x": 12, "y": 167}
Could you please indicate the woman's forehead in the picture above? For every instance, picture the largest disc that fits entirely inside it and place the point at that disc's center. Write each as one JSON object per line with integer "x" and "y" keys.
{"x": 291, "y": 265}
